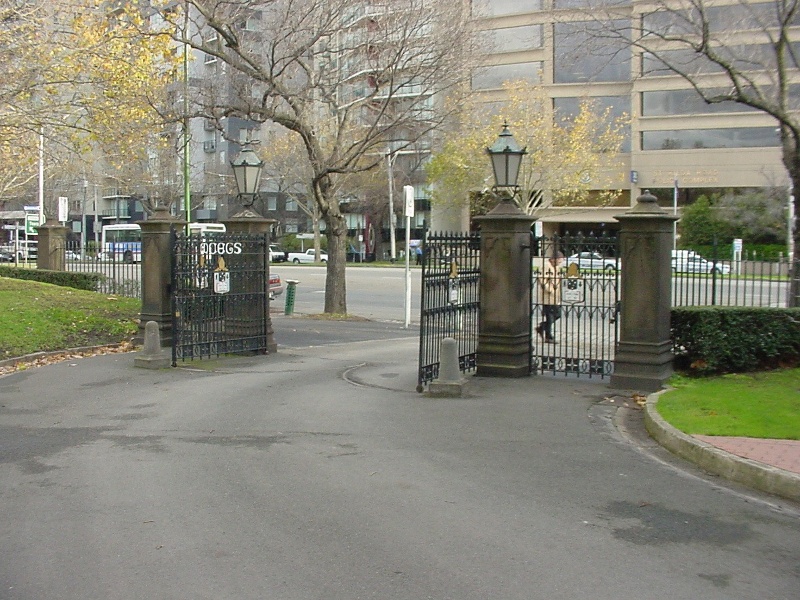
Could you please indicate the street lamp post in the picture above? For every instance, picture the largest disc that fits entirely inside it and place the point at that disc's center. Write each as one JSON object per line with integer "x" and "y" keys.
{"x": 506, "y": 155}
{"x": 247, "y": 172}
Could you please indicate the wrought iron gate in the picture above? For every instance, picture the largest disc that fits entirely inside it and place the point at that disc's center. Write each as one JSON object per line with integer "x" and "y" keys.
{"x": 220, "y": 294}
{"x": 584, "y": 328}
{"x": 450, "y": 300}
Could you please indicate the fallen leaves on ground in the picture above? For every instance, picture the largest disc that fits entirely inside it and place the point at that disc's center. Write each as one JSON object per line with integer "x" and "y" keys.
{"x": 50, "y": 358}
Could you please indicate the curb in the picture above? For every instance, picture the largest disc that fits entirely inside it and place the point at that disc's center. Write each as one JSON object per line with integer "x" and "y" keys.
{"x": 28, "y": 358}
{"x": 748, "y": 472}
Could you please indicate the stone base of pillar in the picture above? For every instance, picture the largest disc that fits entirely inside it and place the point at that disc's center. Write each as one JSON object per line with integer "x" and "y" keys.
{"x": 164, "y": 323}
{"x": 642, "y": 366}
{"x": 503, "y": 356}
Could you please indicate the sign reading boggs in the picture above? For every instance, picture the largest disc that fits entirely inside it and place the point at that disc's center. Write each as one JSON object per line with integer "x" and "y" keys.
{"x": 210, "y": 248}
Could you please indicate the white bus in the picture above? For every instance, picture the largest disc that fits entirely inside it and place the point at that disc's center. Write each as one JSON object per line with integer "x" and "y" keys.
{"x": 206, "y": 228}
{"x": 122, "y": 242}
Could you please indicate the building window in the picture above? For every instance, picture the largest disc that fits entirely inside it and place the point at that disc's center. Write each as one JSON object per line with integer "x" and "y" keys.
{"x": 618, "y": 106}
{"x": 291, "y": 204}
{"x": 494, "y": 77}
{"x": 584, "y": 54}
{"x": 272, "y": 203}
{"x": 514, "y": 39}
{"x": 683, "y": 139}
{"x": 496, "y": 8}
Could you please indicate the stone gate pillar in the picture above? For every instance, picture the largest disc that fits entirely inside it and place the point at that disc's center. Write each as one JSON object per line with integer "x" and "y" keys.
{"x": 249, "y": 221}
{"x": 157, "y": 274}
{"x": 51, "y": 246}
{"x": 644, "y": 352}
{"x": 505, "y": 292}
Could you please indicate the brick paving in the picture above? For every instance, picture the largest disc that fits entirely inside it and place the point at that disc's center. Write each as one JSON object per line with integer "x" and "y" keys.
{"x": 784, "y": 454}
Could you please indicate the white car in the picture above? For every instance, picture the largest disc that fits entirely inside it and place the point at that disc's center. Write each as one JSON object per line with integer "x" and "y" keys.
{"x": 698, "y": 264}
{"x": 593, "y": 261}
{"x": 306, "y": 257}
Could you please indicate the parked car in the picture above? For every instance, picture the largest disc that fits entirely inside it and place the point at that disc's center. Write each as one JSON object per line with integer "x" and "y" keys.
{"x": 306, "y": 257}
{"x": 275, "y": 285}
{"x": 593, "y": 261}
{"x": 6, "y": 257}
{"x": 698, "y": 264}
{"x": 72, "y": 255}
{"x": 276, "y": 254}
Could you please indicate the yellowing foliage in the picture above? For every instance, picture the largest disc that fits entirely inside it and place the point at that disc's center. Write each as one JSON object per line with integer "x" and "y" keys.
{"x": 81, "y": 74}
{"x": 567, "y": 157}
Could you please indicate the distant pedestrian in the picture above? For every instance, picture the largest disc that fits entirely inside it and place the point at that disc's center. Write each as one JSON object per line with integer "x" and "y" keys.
{"x": 418, "y": 254}
{"x": 550, "y": 282}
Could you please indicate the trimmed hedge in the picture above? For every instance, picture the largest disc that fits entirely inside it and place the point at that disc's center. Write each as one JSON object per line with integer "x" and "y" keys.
{"x": 717, "y": 339}
{"x": 79, "y": 281}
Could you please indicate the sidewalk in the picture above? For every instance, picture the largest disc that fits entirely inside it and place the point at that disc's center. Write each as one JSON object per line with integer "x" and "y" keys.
{"x": 772, "y": 466}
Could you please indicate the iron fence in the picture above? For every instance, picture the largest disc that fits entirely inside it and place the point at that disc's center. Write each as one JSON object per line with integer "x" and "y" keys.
{"x": 220, "y": 295}
{"x": 117, "y": 276}
{"x": 697, "y": 281}
{"x": 450, "y": 305}
{"x": 580, "y": 334}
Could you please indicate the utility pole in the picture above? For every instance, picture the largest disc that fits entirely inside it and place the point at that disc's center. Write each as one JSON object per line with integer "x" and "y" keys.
{"x": 392, "y": 237}
{"x": 83, "y": 220}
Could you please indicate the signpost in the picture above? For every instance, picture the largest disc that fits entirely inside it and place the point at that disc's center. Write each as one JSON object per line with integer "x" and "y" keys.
{"x": 408, "y": 212}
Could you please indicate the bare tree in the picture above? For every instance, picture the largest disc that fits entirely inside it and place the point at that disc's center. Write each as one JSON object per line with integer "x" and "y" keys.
{"x": 737, "y": 52}
{"x": 346, "y": 76}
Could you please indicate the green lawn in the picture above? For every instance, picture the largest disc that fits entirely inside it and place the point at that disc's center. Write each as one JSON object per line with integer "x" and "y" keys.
{"x": 40, "y": 317}
{"x": 760, "y": 405}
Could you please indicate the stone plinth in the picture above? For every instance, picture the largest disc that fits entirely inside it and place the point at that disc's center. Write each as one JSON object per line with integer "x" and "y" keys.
{"x": 505, "y": 296}
{"x": 644, "y": 354}
{"x": 157, "y": 274}
{"x": 51, "y": 246}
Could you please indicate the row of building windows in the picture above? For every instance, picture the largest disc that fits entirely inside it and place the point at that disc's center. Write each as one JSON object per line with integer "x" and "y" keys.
{"x": 737, "y": 137}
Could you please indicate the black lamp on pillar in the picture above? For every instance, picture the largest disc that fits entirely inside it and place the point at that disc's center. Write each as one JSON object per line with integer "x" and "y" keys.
{"x": 506, "y": 155}
{"x": 247, "y": 172}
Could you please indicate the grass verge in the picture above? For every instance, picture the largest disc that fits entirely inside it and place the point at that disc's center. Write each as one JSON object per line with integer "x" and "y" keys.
{"x": 38, "y": 317}
{"x": 759, "y": 405}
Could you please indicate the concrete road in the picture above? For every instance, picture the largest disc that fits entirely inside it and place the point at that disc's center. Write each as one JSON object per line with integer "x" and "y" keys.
{"x": 372, "y": 292}
{"x": 318, "y": 473}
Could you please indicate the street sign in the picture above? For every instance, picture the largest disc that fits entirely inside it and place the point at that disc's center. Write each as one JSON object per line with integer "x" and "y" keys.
{"x": 737, "y": 245}
{"x": 408, "y": 196}
{"x": 31, "y": 223}
{"x": 63, "y": 209}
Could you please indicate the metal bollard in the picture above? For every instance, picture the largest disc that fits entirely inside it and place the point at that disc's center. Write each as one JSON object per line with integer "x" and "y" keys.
{"x": 291, "y": 286}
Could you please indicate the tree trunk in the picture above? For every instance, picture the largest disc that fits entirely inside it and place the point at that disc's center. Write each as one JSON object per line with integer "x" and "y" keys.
{"x": 335, "y": 283}
{"x": 336, "y": 231}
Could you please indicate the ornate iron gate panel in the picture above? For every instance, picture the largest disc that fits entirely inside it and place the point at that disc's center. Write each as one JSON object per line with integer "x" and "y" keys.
{"x": 450, "y": 305}
{"x": 220, "y": 294}
{"x": 584, "y": 288}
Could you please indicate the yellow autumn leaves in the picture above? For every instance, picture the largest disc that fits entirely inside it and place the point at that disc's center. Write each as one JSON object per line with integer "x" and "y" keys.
{"x": 571, "y": 157}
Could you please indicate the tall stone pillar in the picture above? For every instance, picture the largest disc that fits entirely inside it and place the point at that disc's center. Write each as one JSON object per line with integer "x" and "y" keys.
{"x": 51, "y": 246}
{"x": 644, "y": 353}
{"x": 505, "y": 292}
{"x": 157, "y": 274}
{"x": 248, "y": 221}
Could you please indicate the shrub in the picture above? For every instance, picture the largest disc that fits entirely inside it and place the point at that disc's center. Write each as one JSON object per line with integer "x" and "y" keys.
{"x": 715, "y": 339}
{"x": 79, "y": 281}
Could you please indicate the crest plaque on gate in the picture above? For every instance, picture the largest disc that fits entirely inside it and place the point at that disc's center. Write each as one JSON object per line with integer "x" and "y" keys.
{"x": 222, "y": 278}
{"x": 573, "y": 286}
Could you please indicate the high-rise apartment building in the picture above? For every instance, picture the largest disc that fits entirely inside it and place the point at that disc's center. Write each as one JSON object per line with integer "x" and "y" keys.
{"x": 674, "y": 136}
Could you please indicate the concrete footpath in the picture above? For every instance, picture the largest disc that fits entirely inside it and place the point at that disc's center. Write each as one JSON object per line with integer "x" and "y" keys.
{"x": 771, "y": 466}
